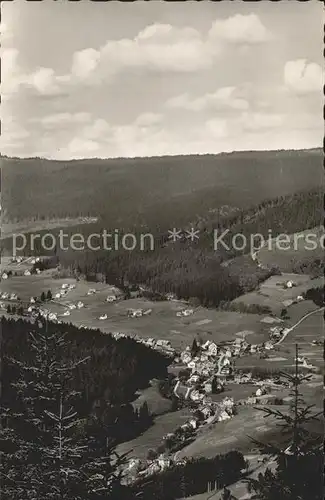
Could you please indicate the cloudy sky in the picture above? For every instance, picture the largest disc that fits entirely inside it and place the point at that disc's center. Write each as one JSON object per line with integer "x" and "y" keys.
{"x": 115, "y": 79}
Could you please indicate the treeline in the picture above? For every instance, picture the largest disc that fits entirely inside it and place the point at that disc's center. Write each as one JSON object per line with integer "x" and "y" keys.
{"x": 160, "y": 190}
{"x": 194, "y": 269}
{"x": 192, "y": 477}
{"x": 107, "y": 383}
{"x": 316, "y": 295}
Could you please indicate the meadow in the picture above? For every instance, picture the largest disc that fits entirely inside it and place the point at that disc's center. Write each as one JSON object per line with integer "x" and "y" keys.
{"x": 272, "y": 292}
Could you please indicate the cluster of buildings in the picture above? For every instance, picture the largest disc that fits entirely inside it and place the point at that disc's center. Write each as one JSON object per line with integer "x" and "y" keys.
{"x": 65, "y": 289}
{"x": 138, "y": 313}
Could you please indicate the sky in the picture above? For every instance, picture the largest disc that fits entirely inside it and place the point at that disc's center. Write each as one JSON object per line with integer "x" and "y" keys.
{"x": 155, "y": 78}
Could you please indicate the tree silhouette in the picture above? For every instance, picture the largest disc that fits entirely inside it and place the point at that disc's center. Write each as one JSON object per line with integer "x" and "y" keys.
{"x": 300, "y": 461}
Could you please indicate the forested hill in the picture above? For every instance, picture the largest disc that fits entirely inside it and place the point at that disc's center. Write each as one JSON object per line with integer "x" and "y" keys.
{"x": 125, "y": 192}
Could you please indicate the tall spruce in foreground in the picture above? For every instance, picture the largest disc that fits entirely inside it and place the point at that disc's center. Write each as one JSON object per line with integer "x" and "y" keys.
{"x": 300, "y": 464}
{"x": 42, "y": 453}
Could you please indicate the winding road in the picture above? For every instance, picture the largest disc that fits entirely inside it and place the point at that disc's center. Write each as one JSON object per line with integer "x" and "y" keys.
{"x": 298, "y": 323}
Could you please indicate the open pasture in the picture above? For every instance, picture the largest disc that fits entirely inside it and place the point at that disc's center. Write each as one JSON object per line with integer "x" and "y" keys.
{"x": 312, "y": 328}
{"x": 161, "y": 323}
{"x": 235, "y": 433}
{"x": 272, "y": 293}
{"x": 298, "y": 248}
{"x": 153, "y": 436}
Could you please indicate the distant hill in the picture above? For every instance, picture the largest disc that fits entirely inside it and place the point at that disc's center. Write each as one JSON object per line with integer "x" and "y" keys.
{"x": 158, "y": 190}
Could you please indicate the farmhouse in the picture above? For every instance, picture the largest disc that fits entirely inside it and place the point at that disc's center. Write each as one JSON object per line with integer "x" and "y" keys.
{"x": 4, "y": 276}
{"x": 213, "y": 349}
{"x": 182, "y": 391}
{"x": 27, "y": 273}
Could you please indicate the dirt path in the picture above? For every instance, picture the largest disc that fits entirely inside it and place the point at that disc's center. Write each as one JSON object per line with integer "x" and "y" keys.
{"x": 297, "y": 324}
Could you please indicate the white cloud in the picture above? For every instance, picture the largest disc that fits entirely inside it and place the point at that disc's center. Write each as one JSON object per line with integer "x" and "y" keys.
{"x": 217, "y": 128}
{"x": 223, "y": 98}
{"x": 238, "y": 29}
{"x": 13, "y": 135}
{"x": 148, "y": 119}
{"x": 303, "y": 77}
{"x": 58, "y": 119}
{"x": 85, "y": 62}
{"x": 157, "y": 48}
{"x": 260, "y": 121}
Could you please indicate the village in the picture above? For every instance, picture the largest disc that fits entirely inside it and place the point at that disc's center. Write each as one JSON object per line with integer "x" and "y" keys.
{"x": 201, "y": 371}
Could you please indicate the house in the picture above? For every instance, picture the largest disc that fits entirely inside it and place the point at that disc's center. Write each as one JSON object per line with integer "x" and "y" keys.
{"x": 91, "y": 291}
{"x": 206, "y": 412}
{"x": 193, "y": 422}
{"x": 38, "y": 271}
{"x": 150, "y": 342}
{"x": 192, "y": 365}
{"x": 207, "y": 387}
{"x": 185, "y": 357}
{"x": 164, "y": 462}
{"x": 222, "y": 416}
{"x": 72, "y": 306}
{"x": 4, "y": 276}
{"x": 103, "y": 316}
{"x": 194, "y": 379}
{"x": 268, "y": 345}
{"x": 182, "y": 391}
{"x": 111, "y": 298}
{"x": 57, "y": 296}
{"x": 27, "y": 273}
{"x": 64, "y": 286}
{"x": 32, "y": 300}
{"x": 66, "y": 313}
{"x": 80, "y": 305}
{"x": 213, "y": 349}
{"x": 188, "y": 312}
{"x": 289, "y": 284}
{"x": 206, "y": 344}
{"x": 299, "y": 298}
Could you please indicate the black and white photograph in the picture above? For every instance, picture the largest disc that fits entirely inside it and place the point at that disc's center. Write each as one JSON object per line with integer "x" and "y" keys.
{"x": 162, "y": 250}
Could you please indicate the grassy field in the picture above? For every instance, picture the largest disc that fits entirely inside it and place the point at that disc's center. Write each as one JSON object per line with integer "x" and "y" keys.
{"x": 9, "y": 229}
{"x": 162, "y": 323}
{"x": 157, "y": 404}
{"x": 152, "y": 438}
{"x": 297, "y": 249}
{"x": 233, "y": 434}
{"x": 310, "y": 329}
{"x": 272, "y": 293}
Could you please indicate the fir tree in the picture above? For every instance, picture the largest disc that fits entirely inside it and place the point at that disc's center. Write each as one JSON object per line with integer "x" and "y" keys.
{"x": 195, "y": 348}
{"x": 42, "y": 455}
{"x": 299, "y": 462}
